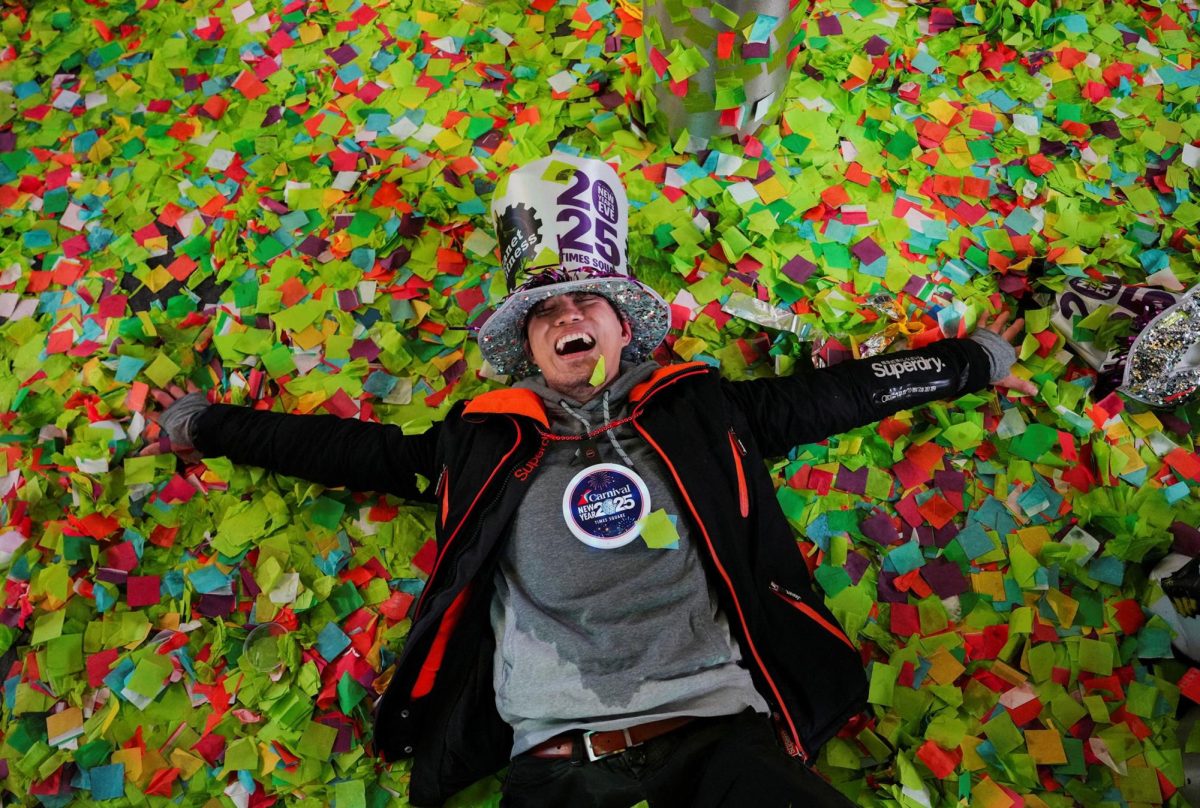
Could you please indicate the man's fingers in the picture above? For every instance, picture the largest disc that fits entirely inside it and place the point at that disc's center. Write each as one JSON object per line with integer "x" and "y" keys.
{"x": 1014, "y": 330}
{"x": 998, "y": 324}
{"x": 162, "y": 397}
{"x": 1014, "y": 382}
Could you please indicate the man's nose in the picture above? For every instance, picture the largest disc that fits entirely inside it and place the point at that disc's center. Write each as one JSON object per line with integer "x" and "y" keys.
{"x": 568, "y": 313}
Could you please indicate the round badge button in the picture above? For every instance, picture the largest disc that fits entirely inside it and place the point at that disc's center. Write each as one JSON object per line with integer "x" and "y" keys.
{"x": 604, "y": 505}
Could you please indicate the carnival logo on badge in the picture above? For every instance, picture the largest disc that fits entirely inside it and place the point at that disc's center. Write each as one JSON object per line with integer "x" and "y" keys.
{"x": 604, "y": 505}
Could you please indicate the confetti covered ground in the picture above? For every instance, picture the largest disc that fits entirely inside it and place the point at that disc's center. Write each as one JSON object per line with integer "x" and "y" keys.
{"x": 287, "y": 204}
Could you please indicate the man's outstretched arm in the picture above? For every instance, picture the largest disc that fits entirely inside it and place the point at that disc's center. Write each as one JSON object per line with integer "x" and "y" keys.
{"x": 809, "y": 407}
{"x": 326, "y": 449}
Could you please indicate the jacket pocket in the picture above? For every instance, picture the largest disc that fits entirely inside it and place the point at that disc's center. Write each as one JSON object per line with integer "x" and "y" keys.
{"x": 795, "y": 601}
{"x": 739, "y": 451}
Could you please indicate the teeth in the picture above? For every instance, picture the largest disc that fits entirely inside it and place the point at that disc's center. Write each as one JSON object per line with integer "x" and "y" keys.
{"x": 563, "y": 340}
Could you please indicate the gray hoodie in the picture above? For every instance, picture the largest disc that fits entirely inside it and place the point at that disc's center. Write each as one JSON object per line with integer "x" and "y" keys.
{"x": 598, "y": 627}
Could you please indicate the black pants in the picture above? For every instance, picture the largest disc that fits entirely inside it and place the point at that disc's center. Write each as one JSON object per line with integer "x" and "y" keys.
{"x": 732, "y": 761}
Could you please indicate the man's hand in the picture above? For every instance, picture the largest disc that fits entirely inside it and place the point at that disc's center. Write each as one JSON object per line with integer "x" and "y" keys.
{"x": 1012, "y": 335}
{"x": 176, "y": 422}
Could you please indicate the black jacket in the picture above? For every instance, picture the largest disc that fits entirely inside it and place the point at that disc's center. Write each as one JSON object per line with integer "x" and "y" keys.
{"x": 712, "y": 435}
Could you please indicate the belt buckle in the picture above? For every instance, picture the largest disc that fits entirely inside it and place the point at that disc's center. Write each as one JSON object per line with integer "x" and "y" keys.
{"x": 591, "y": 753}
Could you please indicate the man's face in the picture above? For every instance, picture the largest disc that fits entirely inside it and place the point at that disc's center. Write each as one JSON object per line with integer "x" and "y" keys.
{"x": 567, "y": 334}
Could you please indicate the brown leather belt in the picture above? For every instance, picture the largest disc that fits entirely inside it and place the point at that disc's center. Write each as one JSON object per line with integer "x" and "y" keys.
{"x": 610, "y": 742}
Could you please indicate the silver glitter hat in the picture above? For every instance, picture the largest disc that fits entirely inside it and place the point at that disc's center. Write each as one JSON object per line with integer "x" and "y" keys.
{"x": 1158, "y": 362}
{"x": 1164, "y": 362}
{"x": 562, "y": 223}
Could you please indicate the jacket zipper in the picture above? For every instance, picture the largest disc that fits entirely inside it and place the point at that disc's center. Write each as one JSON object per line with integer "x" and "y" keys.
{"x": 795, "y": 600}
{"x": 443, "y": 489}
{"x": 437, "y": 565}
{"x": 732, "y": 593}
{"x": 739, "y": 451}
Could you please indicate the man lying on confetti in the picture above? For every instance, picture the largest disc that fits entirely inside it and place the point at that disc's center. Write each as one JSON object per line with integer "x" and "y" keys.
{"x": 618, "y": 609}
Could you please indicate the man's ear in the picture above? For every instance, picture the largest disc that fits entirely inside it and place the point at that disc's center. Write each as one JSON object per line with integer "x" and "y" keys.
{"x": 626, "y": 332}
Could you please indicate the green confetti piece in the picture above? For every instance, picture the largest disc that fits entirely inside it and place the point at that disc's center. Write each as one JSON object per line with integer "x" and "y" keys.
{"x": 598, "y": 373}
{"x": 316, "y": 741}
{"x": 658, "y": 530}
{"x": 161, "y": 371}
{"x": 1095, "y": 656}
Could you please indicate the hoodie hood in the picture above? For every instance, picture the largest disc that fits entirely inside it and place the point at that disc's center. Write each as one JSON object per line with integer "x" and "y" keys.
{"x": 617, "y": 393}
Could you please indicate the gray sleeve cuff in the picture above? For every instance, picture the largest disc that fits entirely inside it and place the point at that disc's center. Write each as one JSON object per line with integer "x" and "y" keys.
{"x": 179, "y": 419}
{"x": 1001, "y": 355}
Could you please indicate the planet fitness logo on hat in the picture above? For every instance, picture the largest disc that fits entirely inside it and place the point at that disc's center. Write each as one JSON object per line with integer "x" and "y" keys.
{"x": 517, "y": 228}
{"x": 604, "y": 505}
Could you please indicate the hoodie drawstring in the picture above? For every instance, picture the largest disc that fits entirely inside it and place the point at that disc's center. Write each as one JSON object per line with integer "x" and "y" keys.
{"x": 587, "y": 427}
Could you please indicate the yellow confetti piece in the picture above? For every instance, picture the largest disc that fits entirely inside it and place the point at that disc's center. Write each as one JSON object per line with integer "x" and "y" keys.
{"x": 309, "y": 338}
{"x": 310, "y": 401}
{"x": 687, "y": 347}
{"x": 632, "y": 9}
{"x": 944, "y": 667}
{"x": 67, "y": 722}
{"x": 1007, "y": 673}
{"x": 988, "y": 583}
{"x": 132, "y": 758}
{"x": 187, "y": 764}
{"x": 770, "y": 189}
{"x": 860, "y": 67}
{"x": 1063, "y": 606}
{"x": 1045, "y": 747}
{"x": 158, "y": 279}
{"x": 986, "y": 794}
{"x": 444, "y": 363}
{"x": 152, "y": 762}
{"x": 1033, "y": 539}
{"x": 268, "y": 757}
{"x": 972, "y": 762}
{"x": 942, "y": 109}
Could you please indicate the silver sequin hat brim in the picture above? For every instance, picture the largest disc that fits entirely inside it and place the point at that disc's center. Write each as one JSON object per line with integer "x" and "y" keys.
{"x": 502, "y": 337}
{"x": 1155, "y": 372}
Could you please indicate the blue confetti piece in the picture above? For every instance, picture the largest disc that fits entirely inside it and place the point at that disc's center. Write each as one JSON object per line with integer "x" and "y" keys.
{"x": 119, "y": 675}
{"x": 599, "y": 9}
{"x": 331, "y": 642}
{"x": 925, "y": 63}
{"x": 1107, "y": 569}
{"x": 379, "y": 383}
{"x": 762, "y": 28}
{"x": 1075, "y": 23}
{"x": 37, "y": 238}
{"x": 974, "y": 541}
{"x": 208, "y": 580}
{"x": 904, "y": 558}
{"x": 128, "y": 367}
{"x": 1020, "y": 221}
{"x": 107, "y": 782}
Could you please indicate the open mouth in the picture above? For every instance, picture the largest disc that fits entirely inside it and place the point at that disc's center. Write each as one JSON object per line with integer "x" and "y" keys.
{"x": 569, "y": 344}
